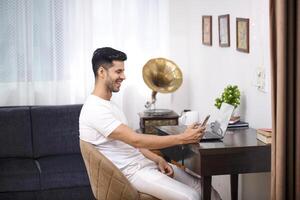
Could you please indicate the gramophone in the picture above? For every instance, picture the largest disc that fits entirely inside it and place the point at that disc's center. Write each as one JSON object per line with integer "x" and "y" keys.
{"x": 161, "y": 76}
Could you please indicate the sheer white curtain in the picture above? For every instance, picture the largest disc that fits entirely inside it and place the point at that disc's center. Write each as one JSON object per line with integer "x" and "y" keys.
{"x": 46, "y": 47}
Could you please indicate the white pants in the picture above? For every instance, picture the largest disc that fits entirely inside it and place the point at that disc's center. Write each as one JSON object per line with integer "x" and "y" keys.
{"x": 183, "y": 186}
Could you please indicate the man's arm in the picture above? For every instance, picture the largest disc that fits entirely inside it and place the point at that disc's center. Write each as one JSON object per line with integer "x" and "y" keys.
{"x": 191, "y": 135}
{"x": 162, "y": 164}
{"x": 150, "y": 155}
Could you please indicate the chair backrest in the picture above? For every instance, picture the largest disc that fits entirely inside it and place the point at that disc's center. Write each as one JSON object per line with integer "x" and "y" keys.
{"x": 107, "y": 181}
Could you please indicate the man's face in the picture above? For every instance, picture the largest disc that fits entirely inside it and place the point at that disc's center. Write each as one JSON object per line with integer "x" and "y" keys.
{"x": 115, "y": 76}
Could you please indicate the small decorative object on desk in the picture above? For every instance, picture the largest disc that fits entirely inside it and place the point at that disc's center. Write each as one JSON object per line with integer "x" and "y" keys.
{"x": 188, "y": 117}
{"x": 232, "y": 96}
{"x": 234, "y": 119}
{"x": 264, "y": 135}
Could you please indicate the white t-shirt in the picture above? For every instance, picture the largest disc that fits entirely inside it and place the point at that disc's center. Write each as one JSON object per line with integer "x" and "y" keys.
{"x": 98, "y": 119}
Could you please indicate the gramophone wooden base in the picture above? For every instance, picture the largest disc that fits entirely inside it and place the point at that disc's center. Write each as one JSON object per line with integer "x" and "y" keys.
{"x": 148, "y": 122}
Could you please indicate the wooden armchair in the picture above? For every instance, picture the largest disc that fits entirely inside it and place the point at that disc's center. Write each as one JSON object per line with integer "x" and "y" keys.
{"x": 107, "y": 181}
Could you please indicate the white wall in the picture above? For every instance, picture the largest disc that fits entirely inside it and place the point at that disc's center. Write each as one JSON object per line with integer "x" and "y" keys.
{"x": 208, "y": 69}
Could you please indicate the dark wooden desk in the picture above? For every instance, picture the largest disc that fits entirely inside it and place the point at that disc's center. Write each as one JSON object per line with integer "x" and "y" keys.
{"x": 239, "y": 152}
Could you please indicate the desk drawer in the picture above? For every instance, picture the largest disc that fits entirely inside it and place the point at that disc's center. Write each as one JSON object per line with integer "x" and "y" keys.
{"x": 244, "y": 160}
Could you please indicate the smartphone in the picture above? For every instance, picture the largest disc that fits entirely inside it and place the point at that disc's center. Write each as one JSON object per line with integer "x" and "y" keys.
{"x": 203, "y": 124}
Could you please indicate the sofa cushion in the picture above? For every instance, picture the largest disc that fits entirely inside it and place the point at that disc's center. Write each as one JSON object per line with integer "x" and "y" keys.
{"x": 18, "y": 175}
{"x": 74, "y": 193}
{"x": 15, "y": 132}
{"x": 55, "y": 130}
{"x": 18, "y": 195}
{"x": 63, "y": 171}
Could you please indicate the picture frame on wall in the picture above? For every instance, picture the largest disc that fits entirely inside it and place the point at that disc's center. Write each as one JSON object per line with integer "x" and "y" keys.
{"x": 242, "y": 34}
{"x": 207, "y": 30}
{"x": 224, "y": 30}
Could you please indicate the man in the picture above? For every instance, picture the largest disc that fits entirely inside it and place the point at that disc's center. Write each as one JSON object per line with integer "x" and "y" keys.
{"x": 103, "y": 124}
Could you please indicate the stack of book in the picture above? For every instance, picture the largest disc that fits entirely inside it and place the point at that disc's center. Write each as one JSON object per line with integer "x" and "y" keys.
{"x": 264, "y": 135}
{"x": 237, "y": 125}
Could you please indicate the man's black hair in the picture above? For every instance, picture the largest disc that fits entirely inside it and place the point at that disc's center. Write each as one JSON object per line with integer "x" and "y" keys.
{"x": 103, "y": 57}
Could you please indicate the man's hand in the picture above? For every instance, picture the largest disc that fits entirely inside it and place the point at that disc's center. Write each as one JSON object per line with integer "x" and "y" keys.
{"x": 162, "y": 164}
{"x": 192, "y": 134}
{"x": 165, "y": 168}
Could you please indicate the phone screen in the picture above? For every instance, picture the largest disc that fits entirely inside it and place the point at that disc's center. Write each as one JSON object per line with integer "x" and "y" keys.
{"x": 205, "y": 121}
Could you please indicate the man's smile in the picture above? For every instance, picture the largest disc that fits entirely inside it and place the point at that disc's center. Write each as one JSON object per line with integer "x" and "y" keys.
{"x": 118, "y": 82}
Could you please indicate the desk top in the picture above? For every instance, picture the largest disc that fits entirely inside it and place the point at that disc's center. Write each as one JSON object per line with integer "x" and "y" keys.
{"x": 238, "y": 152}
{"x": 245, "y": 137}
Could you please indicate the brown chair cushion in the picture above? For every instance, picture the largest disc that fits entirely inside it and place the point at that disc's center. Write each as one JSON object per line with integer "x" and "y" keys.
{"x": 107, "y": 181}
{"x": 144, "y": 196}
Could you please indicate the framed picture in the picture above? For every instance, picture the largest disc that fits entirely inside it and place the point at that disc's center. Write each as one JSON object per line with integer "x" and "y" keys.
{"x": 224, "y": 31}
{"x": 207, "y": 30}
{"x": 242, "y": 34}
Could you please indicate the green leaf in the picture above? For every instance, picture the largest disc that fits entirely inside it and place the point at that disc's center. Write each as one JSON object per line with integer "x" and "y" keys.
{"x": 230, "y": 95}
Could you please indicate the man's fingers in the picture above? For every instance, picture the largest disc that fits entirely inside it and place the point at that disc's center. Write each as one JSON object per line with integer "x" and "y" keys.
{"x": 192, "y": 125}
{"x": 201, "y": 128}
{"x": 200, "y": 135}
{"x": 169, "y": 171}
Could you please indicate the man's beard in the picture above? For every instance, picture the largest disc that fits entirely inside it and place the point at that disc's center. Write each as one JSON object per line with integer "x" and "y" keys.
{"x": 110, "y": 85}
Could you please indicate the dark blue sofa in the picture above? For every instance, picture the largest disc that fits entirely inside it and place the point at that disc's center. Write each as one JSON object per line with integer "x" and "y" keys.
{"x": 40, "y": 156}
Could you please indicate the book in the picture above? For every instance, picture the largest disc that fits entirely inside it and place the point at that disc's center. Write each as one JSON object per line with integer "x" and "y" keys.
{"x": 265, "y": 131}
{"x": 239, "y": 124}
{"x": 263, "y": 138}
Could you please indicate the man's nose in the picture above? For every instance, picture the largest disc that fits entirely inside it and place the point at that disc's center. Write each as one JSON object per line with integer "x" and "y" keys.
{"x": 123, "y": 76}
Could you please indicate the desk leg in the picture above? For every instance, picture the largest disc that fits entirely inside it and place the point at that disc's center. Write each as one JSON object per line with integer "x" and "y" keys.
{"x": 206, "y": 187}
{"x": 234, "y": 182}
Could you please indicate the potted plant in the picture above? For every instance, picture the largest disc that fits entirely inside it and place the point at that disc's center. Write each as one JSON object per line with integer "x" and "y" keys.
{"x": 230, "y": 95}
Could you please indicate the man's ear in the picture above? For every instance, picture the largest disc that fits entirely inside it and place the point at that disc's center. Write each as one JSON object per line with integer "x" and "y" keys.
{"x": 101, "y": 72}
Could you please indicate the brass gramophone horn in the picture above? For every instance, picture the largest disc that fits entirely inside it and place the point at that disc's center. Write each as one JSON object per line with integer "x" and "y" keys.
{"x": 161, "y": 75}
